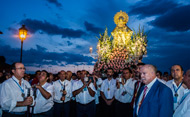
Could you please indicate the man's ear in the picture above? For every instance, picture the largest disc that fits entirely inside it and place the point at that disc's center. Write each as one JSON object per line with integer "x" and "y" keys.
{"x": 47, "y": 78}
{"x": 13, "y": 70}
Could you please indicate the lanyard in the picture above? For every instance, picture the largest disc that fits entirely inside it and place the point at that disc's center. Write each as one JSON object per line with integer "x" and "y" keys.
{"x": 175, "y": 90}
{"x": 63, "y": 88}
{"x": 183, "y": 98}
{"x": 22, "y": 90}
{"x": 109, "y": 82}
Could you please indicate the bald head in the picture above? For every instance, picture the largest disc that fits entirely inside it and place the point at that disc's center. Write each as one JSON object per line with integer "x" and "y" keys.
{"x": 152, "y": 68}
{"x": 148, "y": 73}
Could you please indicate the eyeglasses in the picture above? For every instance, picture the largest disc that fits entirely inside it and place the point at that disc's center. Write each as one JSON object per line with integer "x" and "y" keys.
{"x": 21, "y": 68}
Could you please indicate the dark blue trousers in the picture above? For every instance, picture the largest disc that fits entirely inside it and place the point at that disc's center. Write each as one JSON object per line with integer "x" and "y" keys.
{"x": 44, "y": 114}
{"x": 61, "y": 109}
{"x": 86, "y": 109}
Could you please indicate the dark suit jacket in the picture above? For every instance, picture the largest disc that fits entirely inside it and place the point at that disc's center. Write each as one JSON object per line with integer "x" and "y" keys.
{"x": 157, "y": 103}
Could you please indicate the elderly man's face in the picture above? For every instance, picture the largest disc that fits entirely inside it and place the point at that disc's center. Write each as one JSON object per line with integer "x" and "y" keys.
{"x": 146, "y": 75}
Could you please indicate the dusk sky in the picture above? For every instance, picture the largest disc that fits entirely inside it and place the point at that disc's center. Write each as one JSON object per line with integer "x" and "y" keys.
{"x": 60, "y": 32}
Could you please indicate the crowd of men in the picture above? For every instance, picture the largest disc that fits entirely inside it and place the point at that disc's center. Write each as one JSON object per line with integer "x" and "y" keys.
{"x": 139, "y": 91}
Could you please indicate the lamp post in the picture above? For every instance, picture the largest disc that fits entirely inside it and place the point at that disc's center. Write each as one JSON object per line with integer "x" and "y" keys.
{"x": 22, "y": 35}
{"x": 90, "y": 49}
{"x": 94, "y": 56}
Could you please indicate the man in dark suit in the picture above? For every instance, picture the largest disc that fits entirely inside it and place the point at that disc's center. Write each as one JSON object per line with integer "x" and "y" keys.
{"x": 154, "y": 99}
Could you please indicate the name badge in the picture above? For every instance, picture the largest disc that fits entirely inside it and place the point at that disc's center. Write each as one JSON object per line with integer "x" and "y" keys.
{"x": 175, "y": 99}
{"x": 124, "y": 93}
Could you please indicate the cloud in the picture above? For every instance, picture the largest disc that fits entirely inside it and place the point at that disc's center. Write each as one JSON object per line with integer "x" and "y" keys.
{"x": 168, "y": 48}
{"x": 175, "y": 20}
{"x": 40, "y": 56}
{"x": 51, "y": 29}
{"x": 69, "y": 43}
{"x": 152, "y": 7}
{"x": 40, "y": 48}
{"x": 160, "y": 36}
{"x": 90, "y": 27}
{"x": 165, "y": 56}
{"x": 55, "y": 2}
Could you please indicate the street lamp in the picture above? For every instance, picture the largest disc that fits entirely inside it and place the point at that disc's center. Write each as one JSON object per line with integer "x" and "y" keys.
{"x": 22, "y": 35}
{"x": 94, "y": 56}
{"x": 90, "y": 49}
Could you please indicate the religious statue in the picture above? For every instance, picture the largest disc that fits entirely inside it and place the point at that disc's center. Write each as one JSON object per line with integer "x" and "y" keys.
{"x": 122, "y": 33}
{"x": 122, "y": 49}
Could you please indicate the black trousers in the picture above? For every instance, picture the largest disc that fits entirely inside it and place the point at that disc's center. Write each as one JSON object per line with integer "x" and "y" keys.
{"x": 61, "y": 109}
{"x": 7, "y": 114}
{"x": 108, "y": 110}
{"x": 49, "y": 113}
{"x": 123, "y": 109}
{"x": 87, "y": 110}
{"x": 73, "y": 111}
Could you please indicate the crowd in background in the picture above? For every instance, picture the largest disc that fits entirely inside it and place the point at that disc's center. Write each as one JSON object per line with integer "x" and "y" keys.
{"x": 83, "y": 94}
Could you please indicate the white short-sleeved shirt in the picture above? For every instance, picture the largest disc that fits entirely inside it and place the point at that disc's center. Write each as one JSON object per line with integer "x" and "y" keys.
{"x": 108, "y": 88}
{"x": 162, "y": 81}
{"x": 171, "y": 84}
{"x": 0, "y": 104}
{"x": 83, "y": 97}
{"x": 98, "y": 83}
{"x": 183, "y": 110}
{"x": 125, "y": 93}
{"x": 57, "y": 90}
{"x": 11, "y": 93}
{"x": 42, "y": 104}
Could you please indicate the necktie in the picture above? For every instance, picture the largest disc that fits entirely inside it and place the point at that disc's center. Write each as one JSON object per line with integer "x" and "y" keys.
{"x": 144, "y": 94}
{"x": 135, "y": 93}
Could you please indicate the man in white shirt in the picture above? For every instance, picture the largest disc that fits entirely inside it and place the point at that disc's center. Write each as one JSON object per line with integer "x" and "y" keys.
{"x": 84, "y": 91}
{"x": 159, "y": 76}
{"x": 124, "y": 94}
{"x": 107, "y": 92}
{"x": 183, "y": 110}
{"x": 176, "y": 85}
{"x": 74, "y": 79}
{"x": 44, "y": 97}
{"x": 62, "y": 95}
{"x": 14, "y": 100}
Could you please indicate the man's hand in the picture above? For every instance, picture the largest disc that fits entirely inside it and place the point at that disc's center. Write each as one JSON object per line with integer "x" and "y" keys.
{"x": 38, "y": 86}
{"x": 109, "y": 102}
{"x": 64, "y": 92}
{"x": 63, "y": 98}
{"x": 117, "y": 84}
{"x": 123, "y": 81}
{"x": 89, "y": 82}
{"x": 28, "y": 101}
{"x": 94, "y": 76}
